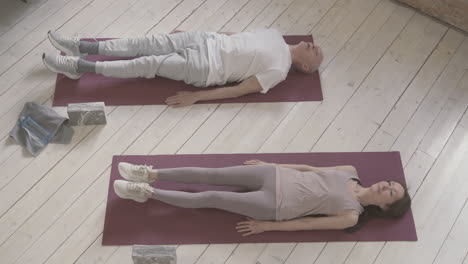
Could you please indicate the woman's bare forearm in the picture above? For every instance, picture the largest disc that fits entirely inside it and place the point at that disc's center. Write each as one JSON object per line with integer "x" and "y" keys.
{"x": 311, "y": 223}
{"x": 303, "y": 167}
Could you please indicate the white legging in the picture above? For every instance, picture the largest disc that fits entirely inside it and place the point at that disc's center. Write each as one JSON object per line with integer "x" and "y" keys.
{"x": 180, "y": 56}
{"x": 258, "y": 203}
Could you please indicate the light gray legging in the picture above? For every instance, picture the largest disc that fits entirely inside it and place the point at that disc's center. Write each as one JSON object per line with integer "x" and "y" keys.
{"x": 180, "y": 56}
{"x": 259, "y": 203}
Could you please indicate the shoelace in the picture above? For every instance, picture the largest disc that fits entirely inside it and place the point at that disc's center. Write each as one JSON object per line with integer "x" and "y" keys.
{"x": 76, "y": 38}
{"x": 134, "y": 187}
{"x": 64, "y": 60}
{"x": 140, "y": 170}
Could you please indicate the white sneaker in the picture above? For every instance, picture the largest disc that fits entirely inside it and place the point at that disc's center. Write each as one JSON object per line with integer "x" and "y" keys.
{"x": 66, "y": 65}
{"x": 68, "y": 45}
{"x": 135, "y": 173}
{"x": 138, "y": 192}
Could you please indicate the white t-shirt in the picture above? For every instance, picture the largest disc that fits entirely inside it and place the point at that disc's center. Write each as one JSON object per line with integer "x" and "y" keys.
{"x": 262, "y": 53}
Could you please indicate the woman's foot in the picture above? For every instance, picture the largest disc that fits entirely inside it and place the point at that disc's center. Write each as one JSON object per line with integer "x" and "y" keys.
{"x": 137, "y": 173}
{"x": 66, "y": 65}
{"x": 68, "y": 45}
{"x": 138, "y": 192}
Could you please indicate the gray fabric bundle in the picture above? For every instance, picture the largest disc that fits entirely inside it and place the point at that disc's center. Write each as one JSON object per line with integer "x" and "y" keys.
{"x": 38, "y": 125}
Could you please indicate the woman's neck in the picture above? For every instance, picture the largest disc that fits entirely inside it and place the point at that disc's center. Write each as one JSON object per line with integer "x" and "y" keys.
{"x": 362, "y": 195}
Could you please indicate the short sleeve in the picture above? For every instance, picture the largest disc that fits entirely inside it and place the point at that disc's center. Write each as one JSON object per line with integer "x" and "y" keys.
{"x": 350, "y": 204}
{"x": 343, "y": 202}
{"x": 269, "y": 79}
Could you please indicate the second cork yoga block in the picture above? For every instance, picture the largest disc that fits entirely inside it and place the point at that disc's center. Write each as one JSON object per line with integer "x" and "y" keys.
{"x": 143, "y": 254}
{"x": 82, "y": 114}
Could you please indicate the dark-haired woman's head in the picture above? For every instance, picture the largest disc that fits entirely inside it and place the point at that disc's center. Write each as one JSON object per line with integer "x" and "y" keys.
{"x": 387, "y": 200}
{"x": 387, "y": 195}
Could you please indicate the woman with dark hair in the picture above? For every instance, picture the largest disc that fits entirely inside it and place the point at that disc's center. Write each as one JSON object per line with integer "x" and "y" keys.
{"x": 280, "y": 197}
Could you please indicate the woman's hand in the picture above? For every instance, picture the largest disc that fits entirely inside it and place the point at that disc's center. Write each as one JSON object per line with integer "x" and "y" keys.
{"x": 256, "y": 162}
{"x": 181, "y": 99}
{"x": 251, "y": 227}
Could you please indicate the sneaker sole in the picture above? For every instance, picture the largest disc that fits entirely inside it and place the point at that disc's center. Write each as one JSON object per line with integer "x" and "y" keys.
{"x": 123, "y": 196}
{"x": 69, "y": 75}
{"x": 60, "y": 47}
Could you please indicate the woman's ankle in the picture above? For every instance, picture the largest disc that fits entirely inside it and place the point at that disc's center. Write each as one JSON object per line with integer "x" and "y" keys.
{"x": 153, "y": 175}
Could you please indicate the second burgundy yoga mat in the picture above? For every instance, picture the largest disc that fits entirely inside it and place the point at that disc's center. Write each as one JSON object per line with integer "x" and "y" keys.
{"x": 140, "y": 91}
{"x": 156, "y": 223}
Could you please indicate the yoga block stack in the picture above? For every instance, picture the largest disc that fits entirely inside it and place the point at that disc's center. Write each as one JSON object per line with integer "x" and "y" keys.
{"x": 83, "y": 114}
{"x": 142, "y": 254}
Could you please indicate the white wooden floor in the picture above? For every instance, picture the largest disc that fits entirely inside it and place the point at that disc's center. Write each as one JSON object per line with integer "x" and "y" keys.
{"x": 393, "y": 80}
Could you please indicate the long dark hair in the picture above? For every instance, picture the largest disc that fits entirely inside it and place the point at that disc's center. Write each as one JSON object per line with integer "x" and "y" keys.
{"x": 394, "y": 210}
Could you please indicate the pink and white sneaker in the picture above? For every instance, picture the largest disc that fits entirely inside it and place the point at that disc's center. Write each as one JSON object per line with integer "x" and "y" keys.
{"x": 138, "y": 192}
{"x": 135, "y": 173}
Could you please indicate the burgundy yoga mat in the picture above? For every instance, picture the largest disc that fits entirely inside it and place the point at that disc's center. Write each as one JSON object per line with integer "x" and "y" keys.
{"x": 156, "y": 223}
{"x": 140, "y": 91}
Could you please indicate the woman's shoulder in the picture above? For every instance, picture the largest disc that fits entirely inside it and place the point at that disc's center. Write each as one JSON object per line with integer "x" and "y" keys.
{"x": 346, "y": 171}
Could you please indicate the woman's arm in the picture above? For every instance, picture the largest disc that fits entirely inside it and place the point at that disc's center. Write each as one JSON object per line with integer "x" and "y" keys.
{"x": 302, "y": 167}
{"x": 345, "y": 219}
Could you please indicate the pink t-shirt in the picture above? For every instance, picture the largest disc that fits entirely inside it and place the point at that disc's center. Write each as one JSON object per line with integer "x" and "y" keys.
{"x": 310, "y": 193}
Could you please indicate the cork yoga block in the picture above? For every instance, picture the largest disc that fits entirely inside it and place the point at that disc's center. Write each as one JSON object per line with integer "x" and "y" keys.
{"x": 142, "y": 254}
{"x": 83, "y": 114}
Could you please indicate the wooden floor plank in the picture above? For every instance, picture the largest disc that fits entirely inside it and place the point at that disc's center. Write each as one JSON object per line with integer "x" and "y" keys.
{"x": 419, "y": 165}
{"x": 123, "y": 255}
{"x": 412, "y": 135}
{"x": 98, "y": 254}
{"x": 245, "y": 16}
{"x": 404, "y": 110}
{"x": 356, "y": 123}
{"x": 13, "y": 12}
{"x": 222, "y": 16}
{"x": 176, "y": 17}
{"x": 302, "y": 112}
{"x": 357, "y": 67}
{"x": 268, "y": 15}
{"x": 339, "y": 138}
{"x": 455, "y": 246}
{"x": 434, "y": 209}
{"x": 44, "y": 14}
